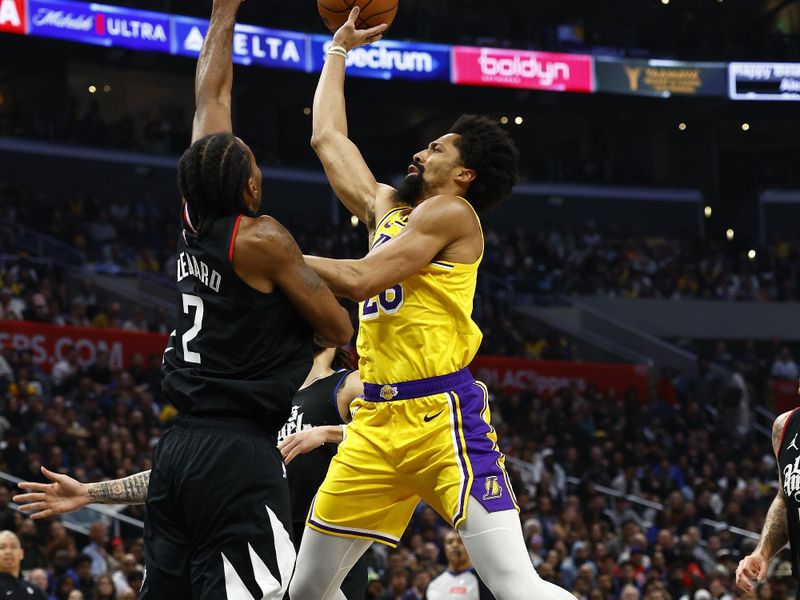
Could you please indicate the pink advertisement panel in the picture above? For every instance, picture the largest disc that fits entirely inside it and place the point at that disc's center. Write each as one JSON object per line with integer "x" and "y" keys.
{"x": 523, "y": 69}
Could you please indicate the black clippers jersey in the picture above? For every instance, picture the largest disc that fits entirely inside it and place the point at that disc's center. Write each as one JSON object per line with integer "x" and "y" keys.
{"x": 313, "y": 406}
{"x": 789, "y": 468}
{"x": 236, "y": 352}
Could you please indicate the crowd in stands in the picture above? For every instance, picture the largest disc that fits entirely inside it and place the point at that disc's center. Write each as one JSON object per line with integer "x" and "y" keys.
{"x": 692, "y": 470}
{"x": 586, "y": 261}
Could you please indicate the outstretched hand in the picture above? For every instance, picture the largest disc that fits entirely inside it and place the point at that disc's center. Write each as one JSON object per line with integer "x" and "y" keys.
{"x": 43, "y": 500}
{"x": 349, "y": 37}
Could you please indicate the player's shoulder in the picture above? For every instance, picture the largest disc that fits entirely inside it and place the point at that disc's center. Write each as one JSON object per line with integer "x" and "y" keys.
{"x": 265, "y": 235}
{"x": 443, "y": 206}
{"x": 778, "y": 427}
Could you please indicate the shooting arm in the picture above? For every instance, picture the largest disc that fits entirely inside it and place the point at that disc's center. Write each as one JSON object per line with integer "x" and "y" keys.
{"x": 346, "y": 169}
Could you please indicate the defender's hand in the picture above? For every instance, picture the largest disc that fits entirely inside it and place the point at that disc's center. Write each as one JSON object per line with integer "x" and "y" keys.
{"x": 349, "y": 37}
{"x": 751, "y": 567}
{"x": 64, "y": 495}
{"x": 302, "y": 442}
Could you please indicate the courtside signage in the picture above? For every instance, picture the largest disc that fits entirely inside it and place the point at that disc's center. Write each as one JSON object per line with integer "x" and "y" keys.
{"x": 12, "y": 16}
{"x": 389, "y": 60}
{"x": 764, "y": 81}
{"x": 522, "y": 69}
{"x": 251, "y": 45}
{"x": 99, "y": 24}
{"x": 662, "y": 78}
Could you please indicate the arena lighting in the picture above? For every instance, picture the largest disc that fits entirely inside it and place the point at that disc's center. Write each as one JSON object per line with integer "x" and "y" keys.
{"x": 306, "y": 111}
{"x": 106, "y": 88}
{"x": 92, "y": 89}
{"x": 504, "y": 120}
{"x": 745, "y": 126}
{"x": 730, "y": 234}
{"x": 707, "y": 211}
{"x": 682, "y": 126}
{"x": 518, "y": 120}
{"x": 665, "y": 2}
{"x": 354, "y": 221}
{"x": 751, "y": 255}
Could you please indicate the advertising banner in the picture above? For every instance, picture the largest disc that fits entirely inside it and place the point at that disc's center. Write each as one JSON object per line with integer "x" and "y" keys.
{"x": 764, "y": 81}
{"x": 662, "y": 78}
{"x": 251, "y": 45}
{"x": 12, "y": 16}
{"x": 99, "y": 25}
{"x": 389, "y": 60}
{"x": 547, "y": 377}
{"x": 522, "y": 69}
{"x": 48, "y": 343}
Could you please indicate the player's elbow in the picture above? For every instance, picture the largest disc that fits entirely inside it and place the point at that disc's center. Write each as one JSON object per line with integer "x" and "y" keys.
{"x": 339, "y": 330}
{"x": 320, "y": 140}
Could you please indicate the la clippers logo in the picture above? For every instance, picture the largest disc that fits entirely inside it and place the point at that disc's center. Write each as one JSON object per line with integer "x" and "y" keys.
{"x": 791, "y": 479}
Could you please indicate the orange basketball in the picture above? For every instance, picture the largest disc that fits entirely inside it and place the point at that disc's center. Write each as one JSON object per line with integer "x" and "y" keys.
{"x": 334, "y": 13}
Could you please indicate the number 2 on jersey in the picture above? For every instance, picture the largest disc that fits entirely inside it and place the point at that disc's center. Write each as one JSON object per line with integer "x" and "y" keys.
{"x": 190, "y": 301}
{"x": 387, "y": 302}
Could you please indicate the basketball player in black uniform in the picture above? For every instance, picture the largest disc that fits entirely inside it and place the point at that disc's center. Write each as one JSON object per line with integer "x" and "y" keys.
{"x": 308, "y": 441}
{"x": 218, "y": 519}
{"x": 782, "y": 524}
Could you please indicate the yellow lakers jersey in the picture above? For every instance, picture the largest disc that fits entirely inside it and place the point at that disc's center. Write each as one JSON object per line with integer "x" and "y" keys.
{"x": 421, "y": 327}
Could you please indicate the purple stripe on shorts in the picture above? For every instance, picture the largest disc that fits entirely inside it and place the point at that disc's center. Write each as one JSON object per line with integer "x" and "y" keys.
{"x": 419, "y": 388}
{"x": 490, "y": 485}
{"x": 370, "y": 535}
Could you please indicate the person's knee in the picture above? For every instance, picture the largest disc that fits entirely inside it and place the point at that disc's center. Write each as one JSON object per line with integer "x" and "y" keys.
{"x": 302, "y": 588}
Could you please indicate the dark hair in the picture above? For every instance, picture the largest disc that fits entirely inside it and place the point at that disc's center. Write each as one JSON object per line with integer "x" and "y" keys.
{"x": 212, "y": 178}
{"x": 489, "y": 150}
{"x": 343, "y": 358}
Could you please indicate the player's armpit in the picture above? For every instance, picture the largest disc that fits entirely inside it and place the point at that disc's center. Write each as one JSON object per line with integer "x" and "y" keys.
{"x": 279, "y": 258}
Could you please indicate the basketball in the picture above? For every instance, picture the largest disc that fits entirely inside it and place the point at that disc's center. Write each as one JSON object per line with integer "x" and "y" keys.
{"x": 334, "y": 13}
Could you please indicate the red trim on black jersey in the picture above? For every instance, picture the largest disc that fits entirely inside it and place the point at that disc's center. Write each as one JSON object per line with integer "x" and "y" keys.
{"x": 783, "y": 432}
{"x": 233, "y": 238}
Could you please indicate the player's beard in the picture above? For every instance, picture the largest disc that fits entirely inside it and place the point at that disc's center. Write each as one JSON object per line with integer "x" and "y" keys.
{"x": 411, "y": 190}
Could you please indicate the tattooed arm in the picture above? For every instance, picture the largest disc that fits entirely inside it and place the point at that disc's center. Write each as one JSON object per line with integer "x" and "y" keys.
{"x": 129, "y": 490}
{"x": 67, "y": 495}
{"x": 775, "y": 533}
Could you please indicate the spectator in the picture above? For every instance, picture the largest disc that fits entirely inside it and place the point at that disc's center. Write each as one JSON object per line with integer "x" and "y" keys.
{"x": 459, "y": 581}
{"x": 12, "y": 587}
{"x": 96, "y": 550}
{"x": 784, "y": 366}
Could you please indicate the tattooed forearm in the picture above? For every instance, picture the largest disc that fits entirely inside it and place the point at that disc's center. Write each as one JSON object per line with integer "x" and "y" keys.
{"x": 130, "y": 490}
{"x": 775, "y": 534}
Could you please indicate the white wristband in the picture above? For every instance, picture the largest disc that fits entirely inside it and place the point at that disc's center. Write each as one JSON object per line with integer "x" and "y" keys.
{"x": 344, "y": 431}
{"x": 337, "y": 51}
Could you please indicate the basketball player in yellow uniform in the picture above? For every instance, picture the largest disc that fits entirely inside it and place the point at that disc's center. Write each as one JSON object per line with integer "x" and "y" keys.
{"x": 423, "y": 428}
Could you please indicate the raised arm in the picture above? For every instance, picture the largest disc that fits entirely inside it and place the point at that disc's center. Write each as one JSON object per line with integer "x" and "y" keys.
{"x": 775, "y": 533}
{"x": 214, "y": 76}
{"x": 265, "y": 249}
{"x": 444, "y": 222}
{"x": 348, "y": 173}
{"x": 67, "y": 495}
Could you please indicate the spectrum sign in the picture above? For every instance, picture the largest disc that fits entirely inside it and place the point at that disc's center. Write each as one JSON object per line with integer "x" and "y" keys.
{"x": 523, "y": 69}
{"x": 389, "y": 60}
{"x": 99, "y": 24}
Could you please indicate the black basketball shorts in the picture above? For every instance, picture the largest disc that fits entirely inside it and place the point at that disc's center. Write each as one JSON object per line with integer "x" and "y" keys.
{"x": 218, "y": 517}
